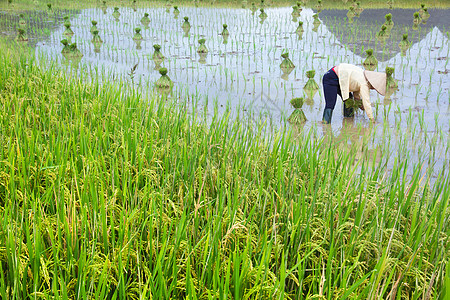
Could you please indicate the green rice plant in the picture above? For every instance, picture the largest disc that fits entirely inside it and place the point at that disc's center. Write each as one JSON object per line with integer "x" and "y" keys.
{"x": 262, "y": 15}
{"x": 21, "y": 36}
{"x": 94, "y": 27}
{"x": 225, "y": 33}
{"x": 186, "y": 26}
{"x": 253, "y": 8}
{"x": 371, "y": 62}
{"x": 298, "y": 116}
{"x": 164, "y": 85}
{"x": 137, "y": 34}
{"x": 295, "y": 11}
{"x": 202, "y": 47}
{"x": 22, "y": 22}
{"x": 116, "y": 13}
{"x": 287, "y": 66}
{"x": 176, "y": 12}
{"x": 351, "y": 14}
{"x": 311, "y": 86}
{"x": 66, "y": 50}
{"x": 96, "y": 41}
{"x": 417, "y": 20}
{"x": 319, "y": 6}
{"x": 383, "y": 34}
{"x": 74, "y": 53}
{"x": 157, "y": 56}
{"x": 391, "y": 83}
{"x": 145, "y": 20}
{"x": 404, "y": 44}
{"x": 316, "y": 22}
{"x": 425, "y": 16}
{"x": 388, "y": 21}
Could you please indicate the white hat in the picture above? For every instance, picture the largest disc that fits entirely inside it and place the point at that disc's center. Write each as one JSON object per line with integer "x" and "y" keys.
{"x": 377, "y": 80}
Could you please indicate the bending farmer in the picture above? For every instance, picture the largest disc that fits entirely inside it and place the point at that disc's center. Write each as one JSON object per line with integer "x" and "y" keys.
{"x": 345, "y": 78}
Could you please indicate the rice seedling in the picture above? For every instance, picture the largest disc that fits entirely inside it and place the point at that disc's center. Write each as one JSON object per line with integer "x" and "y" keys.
{"x": 371, "y": 62}
{"x": 311, "y": 87}
{"x": 298, "y": 116}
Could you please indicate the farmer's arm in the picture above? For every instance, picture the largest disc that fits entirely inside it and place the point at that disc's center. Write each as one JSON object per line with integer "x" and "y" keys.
{"x": 365, "y": 96}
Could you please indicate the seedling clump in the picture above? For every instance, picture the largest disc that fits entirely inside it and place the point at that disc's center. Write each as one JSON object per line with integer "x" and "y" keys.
{"x": 404, "y": 44}
{"x": 383, "y": 34}
{"x": 74, "y": 53}
{"x": 425, "y": 16}
{"x": 311, "y": 86}
{"x": 316, "y": 22}
{"x": 388, "y": 23}
{"x": 225, "y": 33}
{"x": 186, "y": 26}
{"x": 116, "y": 13}
{"x": 262, "y": 15}
{"x": 68, "y": 32}
{"x": 164, "y": 84}
{"x": 145, "y": 19}
{"x": 286, "y": 65}
{"x": 202, "y": 48}
{"x": 21, "y": 37}
{"x": 157, "y": 56}
{"x": 94, "y": 26}
{"x": 417, "y": 19}
{"x": 96, "y": 41}
{"x": 22, "y": 22}
{"x": 391, "y": 83}
{"x": 176, "y": 12}
{"x": 371, "y": 62}
{"x": 137, "y": 34}
{"x": 298, "y": 116}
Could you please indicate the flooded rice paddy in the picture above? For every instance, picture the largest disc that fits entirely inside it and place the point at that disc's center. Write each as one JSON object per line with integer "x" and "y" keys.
{"x": 241, "y": 71}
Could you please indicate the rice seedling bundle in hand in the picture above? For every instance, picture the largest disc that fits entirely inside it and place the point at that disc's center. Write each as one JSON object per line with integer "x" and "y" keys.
{"x": 371, "y": 62}
{"x": 298, "y": 116}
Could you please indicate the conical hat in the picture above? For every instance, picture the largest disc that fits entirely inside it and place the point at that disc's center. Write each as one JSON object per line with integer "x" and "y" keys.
{"x": 377, "y": 80}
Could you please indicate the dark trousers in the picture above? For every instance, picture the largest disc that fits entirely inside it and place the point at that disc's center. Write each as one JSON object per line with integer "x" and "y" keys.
{"x": 331, "y": 89}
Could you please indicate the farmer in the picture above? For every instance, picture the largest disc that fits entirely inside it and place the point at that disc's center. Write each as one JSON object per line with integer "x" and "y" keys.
{"x": 345, "y": 78}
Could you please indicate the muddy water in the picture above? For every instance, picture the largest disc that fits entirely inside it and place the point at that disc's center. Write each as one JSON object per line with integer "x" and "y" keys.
{"x": 243, "y": 73}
